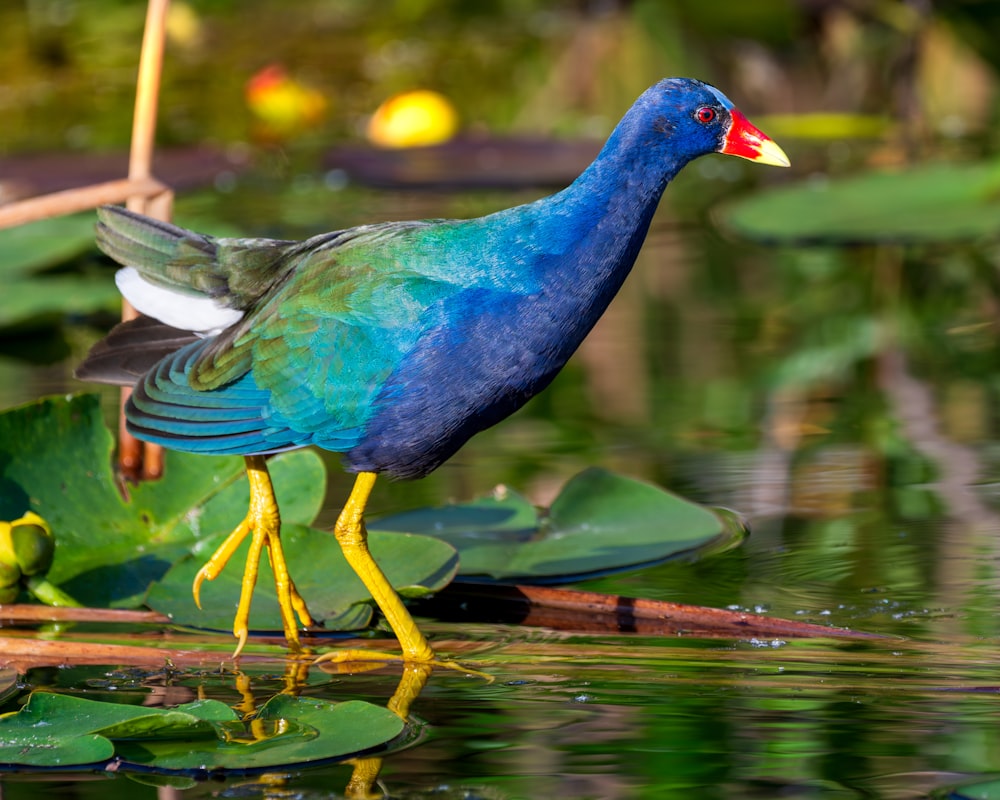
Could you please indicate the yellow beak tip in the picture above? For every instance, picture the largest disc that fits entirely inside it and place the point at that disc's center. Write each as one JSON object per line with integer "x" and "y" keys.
{"x": 771, "y": 154}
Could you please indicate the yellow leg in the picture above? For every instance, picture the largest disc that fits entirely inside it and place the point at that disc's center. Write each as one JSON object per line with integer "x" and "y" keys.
{"x": 366, "y": 770}
{"x": 263, "y": 524}
{"x": 353, "y": 540}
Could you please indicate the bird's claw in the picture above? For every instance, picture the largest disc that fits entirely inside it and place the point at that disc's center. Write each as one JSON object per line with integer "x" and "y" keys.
{"x": 375, "y": 658}
{"x": 263, "y": 524}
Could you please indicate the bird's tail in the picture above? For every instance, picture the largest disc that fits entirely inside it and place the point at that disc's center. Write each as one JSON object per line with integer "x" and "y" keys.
{"x": 232, "y": 272}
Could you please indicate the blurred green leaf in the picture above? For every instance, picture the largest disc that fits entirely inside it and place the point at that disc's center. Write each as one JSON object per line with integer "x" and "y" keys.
{"x": 846, "y": 341}
{"x": 28, "y": 299}
{"x": 982, "y": 790}
{"x": 600, "y": 523}
{"x": 828, "y": 126}
{"x": 932, "y": 203}
{"x": 29, "y": 248}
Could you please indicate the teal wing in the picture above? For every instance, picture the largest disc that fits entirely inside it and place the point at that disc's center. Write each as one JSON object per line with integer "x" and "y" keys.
{"x": 325, "y": 348}
{"x": 304, "y": 365}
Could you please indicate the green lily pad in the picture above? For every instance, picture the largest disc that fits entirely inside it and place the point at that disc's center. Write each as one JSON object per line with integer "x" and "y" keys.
{"x": 415, "y": 565}
{"x": 297, "y": 730}
{"x": 933, "y": 203}
{"x": 56, "y": 460}
{"x": 980, "y": 790}
{"x": 43, "y": 297}
{"x": 27, "y": 249}
{"x": 52, "y": 750}
{"x": 56, "y": 730}
{"x": 600, "y": 523}
{"x": 188, "y": 721}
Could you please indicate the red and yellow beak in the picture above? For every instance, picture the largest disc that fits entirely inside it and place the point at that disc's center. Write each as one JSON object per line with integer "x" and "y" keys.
{"x": 746, "y": 141}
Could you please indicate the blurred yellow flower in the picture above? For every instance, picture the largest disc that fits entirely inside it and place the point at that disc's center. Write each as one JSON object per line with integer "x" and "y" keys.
{"x": 413, "y": 119}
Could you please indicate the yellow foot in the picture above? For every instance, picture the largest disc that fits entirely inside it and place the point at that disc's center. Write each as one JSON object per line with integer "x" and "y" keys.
{"x": 375, "y": 659}
{"x": 263, "y": 524}
{"x": 353, "y": 540}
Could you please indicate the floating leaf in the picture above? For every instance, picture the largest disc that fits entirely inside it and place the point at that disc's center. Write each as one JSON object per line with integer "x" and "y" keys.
{"x": 38, "y": 245}
{"x": 600, "y": 523}
{"x": 334, "y": 594}
{"x": 980, "y": 790}
{"x": 57, "y": 730}
{"x": 188, "y": 721}
{"x": 932, "y": 203}
{"x": 286, "y": 731}
{"x": 28, "y": 249}
{"x": 49, "y": 749}
{"x": 55, "y": 459}
{"x": 38, "y": 298}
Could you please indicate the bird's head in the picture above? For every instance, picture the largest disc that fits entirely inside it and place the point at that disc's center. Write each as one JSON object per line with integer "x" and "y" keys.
{"x": 688, "y": 118}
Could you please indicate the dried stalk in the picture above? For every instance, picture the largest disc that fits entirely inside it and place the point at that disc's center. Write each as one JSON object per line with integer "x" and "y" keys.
{"x": 71, "y": 201}
{"x": 138, "y": 459}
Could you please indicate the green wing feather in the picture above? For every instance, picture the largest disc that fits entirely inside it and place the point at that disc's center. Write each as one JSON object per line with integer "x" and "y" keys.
{"x": 326, "y": 340}
{"x": 237, "y": 272}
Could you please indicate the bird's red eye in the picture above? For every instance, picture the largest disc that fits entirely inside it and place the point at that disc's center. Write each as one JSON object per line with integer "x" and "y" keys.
{"x": 705, "y": 114}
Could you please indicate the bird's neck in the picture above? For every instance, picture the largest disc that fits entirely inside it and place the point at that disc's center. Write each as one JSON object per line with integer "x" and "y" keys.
{"x": 600, "y": 221}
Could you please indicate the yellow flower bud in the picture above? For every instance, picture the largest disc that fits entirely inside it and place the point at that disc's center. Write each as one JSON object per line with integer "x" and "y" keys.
{"x": 32, "y": 543}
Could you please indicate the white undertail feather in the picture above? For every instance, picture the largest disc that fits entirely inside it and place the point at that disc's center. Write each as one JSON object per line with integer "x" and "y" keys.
{"x": 188, "y": 312}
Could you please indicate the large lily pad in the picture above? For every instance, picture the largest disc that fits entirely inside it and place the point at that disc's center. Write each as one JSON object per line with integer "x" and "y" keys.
{"x": 9, "y": 683}
{"x": 415, "y": 565}
{"x": 932, "y": 203}
{"x": 27, "y": 250}
{"x": 38, "y": 299}
{"x": 600, "y": 523}
{"x": 978, "y": 790}
{"x": 56, "y": 730}
{"x": 297, "y": 730}
{"x": 56, "y": 460}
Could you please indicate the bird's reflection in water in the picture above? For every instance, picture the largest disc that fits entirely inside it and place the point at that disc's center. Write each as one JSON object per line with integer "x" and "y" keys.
{"x": 363, "y": 783}
{"x": 366, "y": 770}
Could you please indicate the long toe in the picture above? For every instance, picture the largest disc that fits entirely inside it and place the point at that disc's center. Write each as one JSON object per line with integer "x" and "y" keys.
{"x": 373, "y": 657}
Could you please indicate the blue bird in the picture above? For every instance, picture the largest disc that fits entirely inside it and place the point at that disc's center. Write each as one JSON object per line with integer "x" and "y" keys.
{"x": 391, "y": 344}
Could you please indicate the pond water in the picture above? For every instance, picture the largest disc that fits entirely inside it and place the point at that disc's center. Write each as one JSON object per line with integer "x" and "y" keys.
{"x": 842, "y": 400}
